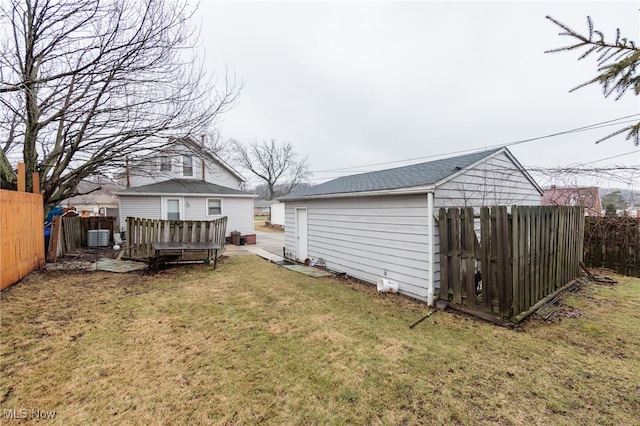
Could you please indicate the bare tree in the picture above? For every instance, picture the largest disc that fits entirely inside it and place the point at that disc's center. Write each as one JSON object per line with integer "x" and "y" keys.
{"x": 277, "y": 165}
{"x": 618, "y": 63}
{"x": 86, "y": 84}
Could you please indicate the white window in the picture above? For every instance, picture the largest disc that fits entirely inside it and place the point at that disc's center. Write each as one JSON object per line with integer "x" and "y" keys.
{"x": 214, "y": 207}
{"x": 187, "y": 165}
{"x": 173, "y": 209}
{"x": 165, "y": 163}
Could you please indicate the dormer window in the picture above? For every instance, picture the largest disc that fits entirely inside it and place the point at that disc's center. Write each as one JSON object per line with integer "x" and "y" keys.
{"x": 187, "y": 165}
{"x": 165, "y": 163}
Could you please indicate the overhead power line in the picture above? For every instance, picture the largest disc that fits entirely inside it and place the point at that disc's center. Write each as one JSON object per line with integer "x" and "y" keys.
{"x": 615, "y": 156}
{"x": 608, "y": 123}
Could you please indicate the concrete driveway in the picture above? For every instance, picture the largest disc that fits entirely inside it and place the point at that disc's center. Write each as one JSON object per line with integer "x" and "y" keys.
{"x": 272, "y": 242}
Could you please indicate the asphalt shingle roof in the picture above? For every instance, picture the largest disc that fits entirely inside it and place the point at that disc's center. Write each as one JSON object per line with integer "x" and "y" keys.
{"x": 183, "y": 186}
{"x": 428, "y": 173}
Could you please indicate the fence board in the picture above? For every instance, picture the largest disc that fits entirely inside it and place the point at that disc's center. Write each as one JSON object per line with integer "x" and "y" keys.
{"x": 485, "y": 260}
{"x": 444, "y": 255}
{"x": 468, "y": 253}
{"x": 515, "y": 250}
{"x": 454, "y": 252}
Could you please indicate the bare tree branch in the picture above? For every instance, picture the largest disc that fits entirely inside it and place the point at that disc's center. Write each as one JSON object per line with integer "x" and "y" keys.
{"x": 277, "y": 165}
{"x": 90, "y": 83}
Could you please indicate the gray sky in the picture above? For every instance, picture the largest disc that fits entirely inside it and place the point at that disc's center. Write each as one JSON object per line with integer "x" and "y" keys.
{"x": 361, "y": 83}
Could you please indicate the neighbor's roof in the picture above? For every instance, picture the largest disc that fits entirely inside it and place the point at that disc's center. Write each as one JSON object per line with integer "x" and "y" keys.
{"x": 183, "y": 187}
{"x": 589, "y": 197}
{"x": 99, "y": 193}
{"x": 416, "y": 175}
{"x": 261, "y": 203}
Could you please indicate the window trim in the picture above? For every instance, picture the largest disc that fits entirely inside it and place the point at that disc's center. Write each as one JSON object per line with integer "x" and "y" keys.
{"x": 165, "y": 207}
{"x": 187, "y": 164}
{"x": 207, "y": 206}
{"x": 165, "y": 163}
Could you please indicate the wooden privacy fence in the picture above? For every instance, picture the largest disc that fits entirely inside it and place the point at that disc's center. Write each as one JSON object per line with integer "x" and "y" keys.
{"x": 614, "y": 243}
{"x": 504, "y": 263}
{"x": 141, "y": 233}
{"x": 22, "y": 231}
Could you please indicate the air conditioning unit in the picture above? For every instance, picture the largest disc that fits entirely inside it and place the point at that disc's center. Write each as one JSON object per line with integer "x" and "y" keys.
{"x": 98, "y": 238}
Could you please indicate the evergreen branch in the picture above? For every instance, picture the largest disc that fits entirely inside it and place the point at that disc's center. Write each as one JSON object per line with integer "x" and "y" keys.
{"x": 617, "y": 65}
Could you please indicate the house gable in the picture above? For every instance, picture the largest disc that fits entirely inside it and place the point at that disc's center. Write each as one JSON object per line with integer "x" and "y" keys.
{"x": 498, "y": 179}
{"x": 184, "y": 159}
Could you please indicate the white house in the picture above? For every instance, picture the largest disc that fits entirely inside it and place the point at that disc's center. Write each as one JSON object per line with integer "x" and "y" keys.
{"x": 186, "y": 183}
{"x": 261, "y": 207}
{"x": 382, "y": 224}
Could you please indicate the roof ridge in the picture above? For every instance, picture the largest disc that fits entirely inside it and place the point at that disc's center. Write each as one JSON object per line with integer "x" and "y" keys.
{"x": 413, "y": 175}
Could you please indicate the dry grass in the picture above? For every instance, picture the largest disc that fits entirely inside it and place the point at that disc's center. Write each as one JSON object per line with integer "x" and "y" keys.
{"x": 255, "y": 343}
{"x": 259, "y": 225}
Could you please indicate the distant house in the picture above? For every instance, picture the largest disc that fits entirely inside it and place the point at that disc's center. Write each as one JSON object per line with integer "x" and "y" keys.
{"x": 261, "y": 207}
{"x": 381, "y": 224}
{"x": 187, "y": 183}
{"x": 588, "y": 197}
{"x": 97, "y": 199}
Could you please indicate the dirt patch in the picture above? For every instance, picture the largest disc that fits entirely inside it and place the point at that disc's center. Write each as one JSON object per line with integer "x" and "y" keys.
{"x": 89, "y": 254}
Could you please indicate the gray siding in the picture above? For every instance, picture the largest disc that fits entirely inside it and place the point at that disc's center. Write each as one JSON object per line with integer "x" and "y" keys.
{"x": 277, "y": 213}
{"x": 496, "y": 181}
{"x": 151, "y": 173}
{"x": 368, "y": 236}
{"x": 195, "y": 208}
{"x": 240, "y": 215}
{"x": 239, "y": 211}
{"x": 136, "y": 206}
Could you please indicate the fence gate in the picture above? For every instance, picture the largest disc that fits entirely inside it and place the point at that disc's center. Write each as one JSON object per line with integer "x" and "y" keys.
{"x": 503, "y": 263}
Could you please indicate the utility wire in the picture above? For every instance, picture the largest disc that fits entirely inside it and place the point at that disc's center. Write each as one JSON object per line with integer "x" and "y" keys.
{"x": 613, "y": 122}
{"x": 615, "y": 156}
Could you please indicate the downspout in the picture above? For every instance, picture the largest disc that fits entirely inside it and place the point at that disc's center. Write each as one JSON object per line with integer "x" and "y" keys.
{"x": 203, "y": 165}
{"x": 127, "y": 172}
{"x": 430, "y": 231}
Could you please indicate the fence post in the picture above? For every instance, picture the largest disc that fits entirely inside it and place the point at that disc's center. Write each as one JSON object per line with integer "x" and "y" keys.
{"x": 444, "y": 250}
{"x": 516, "y": 254}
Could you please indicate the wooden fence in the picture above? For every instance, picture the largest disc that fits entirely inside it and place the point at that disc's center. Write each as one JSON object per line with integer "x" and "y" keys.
{"x": 97, "y": 222}
{"x": 141, "y": 233}
{"x": 22, "y": 231}
{"x": 614, "y": 243}
{"x": 70, "y": 232}
{"x": 504, "y": 263}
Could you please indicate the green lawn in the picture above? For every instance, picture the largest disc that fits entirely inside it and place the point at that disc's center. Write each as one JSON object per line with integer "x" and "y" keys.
{"x": 252, "y": 343}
